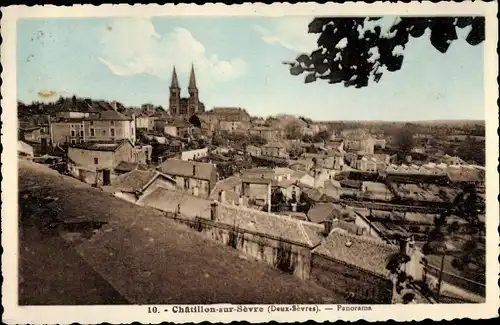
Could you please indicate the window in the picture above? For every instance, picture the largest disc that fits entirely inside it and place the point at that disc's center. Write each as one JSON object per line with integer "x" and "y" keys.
{"x": 103, "y": 132}
{"x": 81, "y": 126}
{"x": 186, "y": 183}
{"x": 96, "y": 161}
{"x": 72, "y": 133}
{"x": 92, "y": 132}
{"x": 81, "y": 140}
{"x": 72, "y": 126}
{"x": 81, "y": 133}
{"x": 91, "y": 122}
{"x": 112, "y": 131}
{"x": 112, "y": 122}
{"x": 73, "y": 141}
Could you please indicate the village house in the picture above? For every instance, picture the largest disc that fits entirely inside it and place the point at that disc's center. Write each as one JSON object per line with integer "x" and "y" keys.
{"x": 103, "y": 126}
{"x": 372, "y": 163}
{"x": 379, "y": 143}
{"x": 269, "y": 134}
{"x": 194, "y": 154}
{"x": 358, "y": 141}
{"x": 232, "y": 119}
{"x": 193, "y": 177}
{"x": 253, "y": 151}
{"x": 355, "y": 266}
{"x": 101, "y": 155}
{"x": 144, "y": 121}
{"x": 179, "y": 128}
{"x": 274, "y": 149}
{"x": 228, "y": 190}
{"x": 126, "y": 167}
{"x": 453, "y": 160}
{"x": 137, "y": 184}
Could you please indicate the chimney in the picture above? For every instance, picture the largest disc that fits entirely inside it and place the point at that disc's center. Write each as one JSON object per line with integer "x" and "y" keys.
{"x": 213, "y": 211}
{"x": 328, "y": 227}
{"x": 404, "y": 245}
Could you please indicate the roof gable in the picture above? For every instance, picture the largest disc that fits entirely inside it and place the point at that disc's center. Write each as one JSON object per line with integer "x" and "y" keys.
{"x": 191, "y": 169}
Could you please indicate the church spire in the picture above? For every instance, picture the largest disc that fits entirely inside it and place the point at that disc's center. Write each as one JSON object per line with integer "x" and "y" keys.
{"x": 192, "y": 78}
{"x": 175, "y": 82}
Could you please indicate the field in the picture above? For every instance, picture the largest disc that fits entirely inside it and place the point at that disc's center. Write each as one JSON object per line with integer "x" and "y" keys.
{"x": 102, "y": 250}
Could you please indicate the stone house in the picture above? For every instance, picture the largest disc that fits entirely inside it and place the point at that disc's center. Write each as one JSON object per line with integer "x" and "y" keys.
{"x": 103, "y": 126}
{"x": 274, "y": 149}
{"x": 232, "y": 119}
{"x": 181, "y": 129}
{"x": 354, "y": 266}
{"x": 257, "y": 189}
{"x": 265, "y": 132}
{"x": 290, "y": 189}
{"x": 253, "y": 151}
{"x": 101, "y": 155}
{"x": 193, "y": 177}
{"x": 229, "y": 190}
{"x": 137, "y": 184}
{"x": 194, "y": 154}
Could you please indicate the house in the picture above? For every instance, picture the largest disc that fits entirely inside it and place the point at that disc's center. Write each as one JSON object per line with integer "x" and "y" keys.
{"x": 228, "y": 190}
{"x": 101, "y": 155}
{"x": 193, "y": 177}
{"x": 145, "y": 121}
{"x": 269, "y": 134}
{"x": 179, "y": 128}
{"x": 324, "y": 211}
{"x": 137, "y": 184}
{"x": 232, "y": 118}
{"x": 194, "y": 154}
{"x": 24, "y": 150}
{"x": 355, "y": 266}
{"x": 282, "y": 173}
{"x": 258, "y": 190}
{"x": 253, "y": 151}
{"x": 372, "y": 162}
{"x": 453, "y": 160}
{"x": 290, "y": 189}
{"x": 358, "y": 141}
{"x": 274, "y": 149}
{"x": 302, "y": 178}
{"x": 102, "y": 126}
{"x": 379, "y": 143}
{"x": 332, "y": 188}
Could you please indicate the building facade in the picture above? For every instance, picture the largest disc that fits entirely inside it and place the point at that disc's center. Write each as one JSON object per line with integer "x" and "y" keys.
{"x": 102, "y": 126}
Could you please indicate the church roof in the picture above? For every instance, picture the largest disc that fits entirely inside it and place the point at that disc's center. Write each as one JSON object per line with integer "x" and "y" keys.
{"x": 192, "y": 78}
{"x": 175, "y": 82}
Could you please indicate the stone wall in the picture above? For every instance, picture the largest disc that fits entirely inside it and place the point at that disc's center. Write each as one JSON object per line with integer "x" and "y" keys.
{"x": 359, "y": 286}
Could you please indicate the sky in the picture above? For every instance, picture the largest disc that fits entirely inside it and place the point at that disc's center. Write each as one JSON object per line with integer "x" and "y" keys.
{"x": 238, "y": 63}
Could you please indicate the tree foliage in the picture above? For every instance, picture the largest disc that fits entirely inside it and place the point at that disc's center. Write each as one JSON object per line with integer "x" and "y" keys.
{"x": 369, "y": 51}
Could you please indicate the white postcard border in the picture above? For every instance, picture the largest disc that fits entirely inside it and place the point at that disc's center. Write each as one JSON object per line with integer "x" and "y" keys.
{"x": 126, "y": 314}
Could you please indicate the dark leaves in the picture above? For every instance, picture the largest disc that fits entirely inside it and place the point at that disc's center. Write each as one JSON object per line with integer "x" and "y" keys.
{"x": 350, "y": 65}
{"x": 310, "y": 78}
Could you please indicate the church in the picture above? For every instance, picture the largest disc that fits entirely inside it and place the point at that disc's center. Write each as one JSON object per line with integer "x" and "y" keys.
{"x": 185, "y": 107}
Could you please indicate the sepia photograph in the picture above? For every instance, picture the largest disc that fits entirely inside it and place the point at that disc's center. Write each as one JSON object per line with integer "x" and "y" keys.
{"x": 211, "y": 163}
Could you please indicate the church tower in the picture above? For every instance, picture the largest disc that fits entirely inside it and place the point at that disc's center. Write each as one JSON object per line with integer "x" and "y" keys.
{"x": 194, "y": 101}
{"x": 175, "y": 95}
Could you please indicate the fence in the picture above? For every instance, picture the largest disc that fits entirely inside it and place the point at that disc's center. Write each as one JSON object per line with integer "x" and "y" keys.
{"x": 456, "y": 280}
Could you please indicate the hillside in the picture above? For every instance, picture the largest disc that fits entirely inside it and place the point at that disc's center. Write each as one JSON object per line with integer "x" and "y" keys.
{"x": 106, "y": 251}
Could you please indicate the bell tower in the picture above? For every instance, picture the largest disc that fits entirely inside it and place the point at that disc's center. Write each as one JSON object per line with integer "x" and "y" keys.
{"x": 175, "y": 95}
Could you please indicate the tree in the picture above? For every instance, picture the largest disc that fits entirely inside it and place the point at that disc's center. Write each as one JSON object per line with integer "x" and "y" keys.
{"x": 350, "y": 52}
{"x": 404, "y": 141}
{"x": 293, "y": 130}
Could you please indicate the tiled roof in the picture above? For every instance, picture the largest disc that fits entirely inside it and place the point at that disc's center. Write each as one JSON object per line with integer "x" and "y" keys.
{"x": 133, "y": 181}
{"x": 126, "y": 166}
{"x": 100, "y": 145}
{"x": 286, "y": 183}
{"x": 256, "y": 180}
{"x": 313, "y": 193}
{"x": 227, "y": 184}
{"x": 168, "y": 200}
{"x": 464, "y": 174}
{"x": 109, "y": 116}
{"x": 363, "y": 253}
{"x": 283, "y": 171}
{"x": 192, "y": 169}
{"x": 296, "y": 175}
{"x": 272, "y": 225}
{"x": 323, "y": 211}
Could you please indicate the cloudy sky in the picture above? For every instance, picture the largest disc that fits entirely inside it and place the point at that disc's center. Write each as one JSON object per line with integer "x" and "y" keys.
{"x": 238, "y": 62}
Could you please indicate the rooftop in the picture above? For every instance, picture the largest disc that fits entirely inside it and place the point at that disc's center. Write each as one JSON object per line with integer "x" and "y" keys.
{"x": 100, "y": 145}
{"x": 362, "y": 252}
{"x": 192, "y": 169}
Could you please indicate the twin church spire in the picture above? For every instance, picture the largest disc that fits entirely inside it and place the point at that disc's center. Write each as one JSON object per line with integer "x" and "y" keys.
{"x": 184, "y": 106}
{"x": 192, "y": 79}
